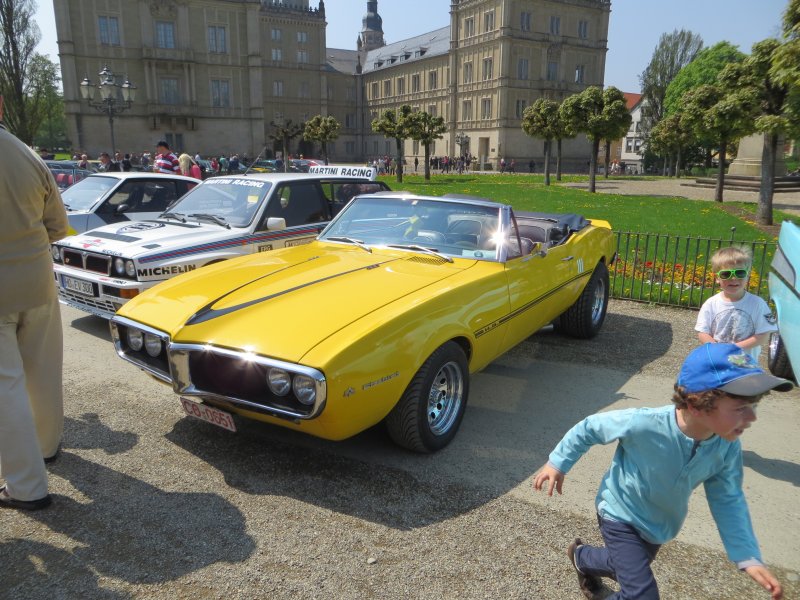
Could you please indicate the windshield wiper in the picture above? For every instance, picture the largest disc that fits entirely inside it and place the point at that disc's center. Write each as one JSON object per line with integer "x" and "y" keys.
{"x": 173, "y": 215}
{"x": 350, "y": 240}
{"x": 216, "y": 218}
{"x": 419, "y": 248}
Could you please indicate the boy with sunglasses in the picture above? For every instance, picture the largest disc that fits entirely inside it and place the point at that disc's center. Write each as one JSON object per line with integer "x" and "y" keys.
{"x": 734, "y": 315}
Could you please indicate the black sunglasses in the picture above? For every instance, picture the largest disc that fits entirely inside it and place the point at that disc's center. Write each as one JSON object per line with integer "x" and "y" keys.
{"x": 736, "y": 273}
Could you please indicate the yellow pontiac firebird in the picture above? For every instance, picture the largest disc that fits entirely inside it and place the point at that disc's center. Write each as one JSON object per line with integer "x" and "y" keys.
{"x": 382, "y": 318}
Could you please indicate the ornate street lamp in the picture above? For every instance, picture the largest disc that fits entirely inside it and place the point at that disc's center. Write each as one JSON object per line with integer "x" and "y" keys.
{"x": 109, "y": 102}
{"x": 462, "y": 140}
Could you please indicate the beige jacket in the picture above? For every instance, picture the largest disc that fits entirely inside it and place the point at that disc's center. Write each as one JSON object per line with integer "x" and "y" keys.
{"x": 31, "y": 216}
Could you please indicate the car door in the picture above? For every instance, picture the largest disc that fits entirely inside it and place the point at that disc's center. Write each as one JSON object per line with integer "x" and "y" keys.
{"x": 138, "y": 199}
{"x": 303, "y": 207}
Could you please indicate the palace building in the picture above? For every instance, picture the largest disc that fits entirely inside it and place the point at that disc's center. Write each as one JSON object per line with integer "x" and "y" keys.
{"x": 216, "y": 76}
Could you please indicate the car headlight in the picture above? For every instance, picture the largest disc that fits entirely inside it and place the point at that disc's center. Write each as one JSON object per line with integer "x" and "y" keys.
{"x": 130, "y": 268}
{"x": 119, "y": 266}
{"x": 305, "y": 389}
{"x": 279, "y": 381}
{"x": 152, "y": 344}
{"x": 135, "y": 339}
{"x": 56, "y": 253}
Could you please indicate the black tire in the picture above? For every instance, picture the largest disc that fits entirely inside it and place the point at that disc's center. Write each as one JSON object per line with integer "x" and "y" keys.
{"x": 427, "y": 416}
{"x": 585, "y": 318}
{"x": 777, "y": 359}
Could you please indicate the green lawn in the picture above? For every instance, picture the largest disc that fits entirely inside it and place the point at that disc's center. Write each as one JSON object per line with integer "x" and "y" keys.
{"x": 647, "y": 214}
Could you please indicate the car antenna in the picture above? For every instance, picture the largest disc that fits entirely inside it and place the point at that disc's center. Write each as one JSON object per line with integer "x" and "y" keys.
{"x": 247, "y": 170}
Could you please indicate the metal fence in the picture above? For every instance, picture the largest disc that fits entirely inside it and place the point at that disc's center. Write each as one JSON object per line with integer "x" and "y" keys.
{"x": 676, "y": 270}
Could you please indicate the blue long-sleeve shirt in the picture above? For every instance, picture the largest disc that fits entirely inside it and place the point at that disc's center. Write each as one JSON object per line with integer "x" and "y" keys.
{"x": 654, "y": 471}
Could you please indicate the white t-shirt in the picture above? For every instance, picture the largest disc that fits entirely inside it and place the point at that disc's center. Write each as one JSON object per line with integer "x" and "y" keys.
{"x": 733, "y": 322}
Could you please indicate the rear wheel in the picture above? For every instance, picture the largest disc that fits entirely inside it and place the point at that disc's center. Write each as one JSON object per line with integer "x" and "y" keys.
{"x": 585, "y": 318}
{"x": 429, "y": 413}
{"x": 778, "y": 360}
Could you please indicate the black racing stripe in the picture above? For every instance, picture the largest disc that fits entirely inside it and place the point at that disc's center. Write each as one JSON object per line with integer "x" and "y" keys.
{"x": 115, "y": 236}
{"x": 207, "y": 313}
{"x": 528, "y": 306}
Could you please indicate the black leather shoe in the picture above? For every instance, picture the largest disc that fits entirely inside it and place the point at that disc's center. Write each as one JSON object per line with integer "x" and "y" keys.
{"x": 590, "y": 586}
{"x": 54, "y": 458}
{"x": 7, "y": 501}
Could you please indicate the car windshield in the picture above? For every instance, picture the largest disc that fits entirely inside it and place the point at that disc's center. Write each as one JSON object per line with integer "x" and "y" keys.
{"x": 235, "y": 200}
{"x": 84, "y": 194}
{"x": 450, "y": 228}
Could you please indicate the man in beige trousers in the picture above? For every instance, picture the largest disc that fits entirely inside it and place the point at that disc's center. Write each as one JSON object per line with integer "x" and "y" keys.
{"x": 31, "y": 346}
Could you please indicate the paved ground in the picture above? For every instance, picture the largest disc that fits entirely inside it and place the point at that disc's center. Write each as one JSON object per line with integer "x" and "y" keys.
{"x": 149, "y": 503}
{"x": 785, "y": 201}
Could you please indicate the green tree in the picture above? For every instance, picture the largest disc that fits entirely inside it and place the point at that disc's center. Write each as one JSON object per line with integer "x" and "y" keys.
{"x": 669, "y": 137}
{"x": 723, "y": 115}
{"x": 704, "y": 69}
{"x": 53, "y": 132}
{"x": 26, "y": 78}
{"x": 425, "y": 128}
{"x": 599, "y": 114}
{"x": 786, "y": 64}
{"x": 674, "y": 51}
{"x": 543, "y": 120}
{"x": 395, "y": 124}
{"x": 323, "y": 130}
{"x": 282, "y": 135}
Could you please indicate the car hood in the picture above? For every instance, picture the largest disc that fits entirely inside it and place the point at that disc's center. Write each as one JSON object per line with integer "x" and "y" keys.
{"x": 283, "y": 303}
{"x": 140, "y": 238}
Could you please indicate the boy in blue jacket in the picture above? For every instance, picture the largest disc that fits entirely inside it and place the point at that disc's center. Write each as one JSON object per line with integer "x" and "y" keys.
{"x": 662, "y": 455}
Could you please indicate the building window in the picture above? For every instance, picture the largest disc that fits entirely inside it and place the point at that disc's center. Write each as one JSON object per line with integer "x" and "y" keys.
{"x": 469, "y": 27}
{"x": 525, "y": 21}
{"x": 276, "y": 35}
{"x": 175, "y": 140}
{"x": 468, "y": 72}
{"x": 628, "y": 145}
{"x": 414, "y": 83}
{"x": 401, "y": 85}
{"x": 350, "y": 148}
{"x": 302, "y": 37}
{"x": 552, "y": 71}
{"x": 555, "y": 25}
{"x": 521, "y": 106}
{"x": 302, "y": 56}
{"x": 488, "y": 21}
{"x": 277, "y": 88}
{"x": 486, "y": 75}
{"x": 277, "y": 54}
{"x": 432, "y": 110}
{"x": 466, "y": 110}
{"x": 350, "y": 120}
{"x": 220, "y": 93}
{"x": 350, "y": 93}
{"x": 583, "y": 29}
{"x": 522, "y": 68}
{"x": 165, "y": 34}
{"x": 433, "y": 80}
{"x": 109, "y": 30}
{"x": 375, "y": 90}
{"x": 304, "y": 91}
{"x": 168, "y": 90}
{"x": 637, "y": 145}
{"x": 217, "y": 41}
{"x": 486, "y": 108}
{"x": 579, "y": 73}
{"x": 387, "y": 88}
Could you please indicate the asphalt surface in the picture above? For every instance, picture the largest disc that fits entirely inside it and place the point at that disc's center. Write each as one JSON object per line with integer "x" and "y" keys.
{"x": 149, "y": 503}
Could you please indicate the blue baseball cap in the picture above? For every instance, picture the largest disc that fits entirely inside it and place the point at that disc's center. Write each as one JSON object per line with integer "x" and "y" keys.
{"x": 728, "y": 368}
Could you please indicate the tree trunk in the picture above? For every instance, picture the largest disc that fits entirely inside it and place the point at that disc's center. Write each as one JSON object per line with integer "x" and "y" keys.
{"x": 707, "y": 159}
{"x": 723, "y": 148}
{"x": 325, "y": 152}
{"x": 608, "y": 158}
{"x": 678, "y": 164}
{"x": 427, "y": 161}
{"x": 593, "y": 166}
{"x": 558, "y": 160}
{"x": 547, "y": 145}
{"x": 399, "y": 143}
{"x": 767, "y": 191}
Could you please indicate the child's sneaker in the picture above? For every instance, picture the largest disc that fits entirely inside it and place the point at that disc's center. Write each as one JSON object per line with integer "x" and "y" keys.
{"x": 590, "y": 586}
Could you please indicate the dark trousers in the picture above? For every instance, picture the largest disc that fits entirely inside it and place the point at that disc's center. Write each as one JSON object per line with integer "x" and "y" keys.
{"x": 626, "y": 558}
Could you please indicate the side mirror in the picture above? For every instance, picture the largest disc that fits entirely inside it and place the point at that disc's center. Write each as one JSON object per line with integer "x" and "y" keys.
{"x": 123, "y": 208}
{"x": 538, "y": 249}
{"x": 276, "y": 223}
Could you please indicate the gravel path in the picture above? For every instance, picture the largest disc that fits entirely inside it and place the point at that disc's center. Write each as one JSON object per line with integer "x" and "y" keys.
{"x": 151, "y": 504}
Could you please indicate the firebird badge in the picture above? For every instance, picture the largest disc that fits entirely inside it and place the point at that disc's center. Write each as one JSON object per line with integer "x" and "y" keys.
{"x": 349, "y": 392}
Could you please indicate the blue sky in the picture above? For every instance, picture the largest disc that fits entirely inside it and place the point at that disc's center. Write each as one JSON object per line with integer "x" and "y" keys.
{"x": 635, "y": 26}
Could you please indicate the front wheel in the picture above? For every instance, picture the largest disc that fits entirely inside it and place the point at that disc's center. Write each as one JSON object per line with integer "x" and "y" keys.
{"x": 778, "y": 360}
{"x": 585, "y": 318}
{"x": 428, "y": 415}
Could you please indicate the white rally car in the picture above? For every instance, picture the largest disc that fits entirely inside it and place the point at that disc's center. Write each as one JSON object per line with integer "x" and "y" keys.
{"x": 224, "y": 217}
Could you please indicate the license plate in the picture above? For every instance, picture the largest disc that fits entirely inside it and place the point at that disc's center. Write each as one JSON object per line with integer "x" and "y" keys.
{"x": 78, "y": 285}
{"x": 209, "y": 414}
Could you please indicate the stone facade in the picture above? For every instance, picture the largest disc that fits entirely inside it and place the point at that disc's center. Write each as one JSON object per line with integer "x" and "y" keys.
{"x": 212, "y": 75}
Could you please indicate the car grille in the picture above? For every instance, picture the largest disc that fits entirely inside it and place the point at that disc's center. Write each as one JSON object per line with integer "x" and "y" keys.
{"x": 88, "y": 261}
{"x": 92, "y": 305}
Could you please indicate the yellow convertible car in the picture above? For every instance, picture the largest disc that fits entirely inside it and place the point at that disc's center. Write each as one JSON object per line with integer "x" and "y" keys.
{"x": 382, "y": 318}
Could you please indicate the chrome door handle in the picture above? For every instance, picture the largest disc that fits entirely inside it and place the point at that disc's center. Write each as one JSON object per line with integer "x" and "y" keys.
{"x": 566, "y": 258}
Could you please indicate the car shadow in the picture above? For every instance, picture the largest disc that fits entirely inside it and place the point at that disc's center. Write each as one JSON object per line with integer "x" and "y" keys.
{"x": 520, "y": 406}
{"x": 772, "y": 468}
{"x": 95, "y": 326}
